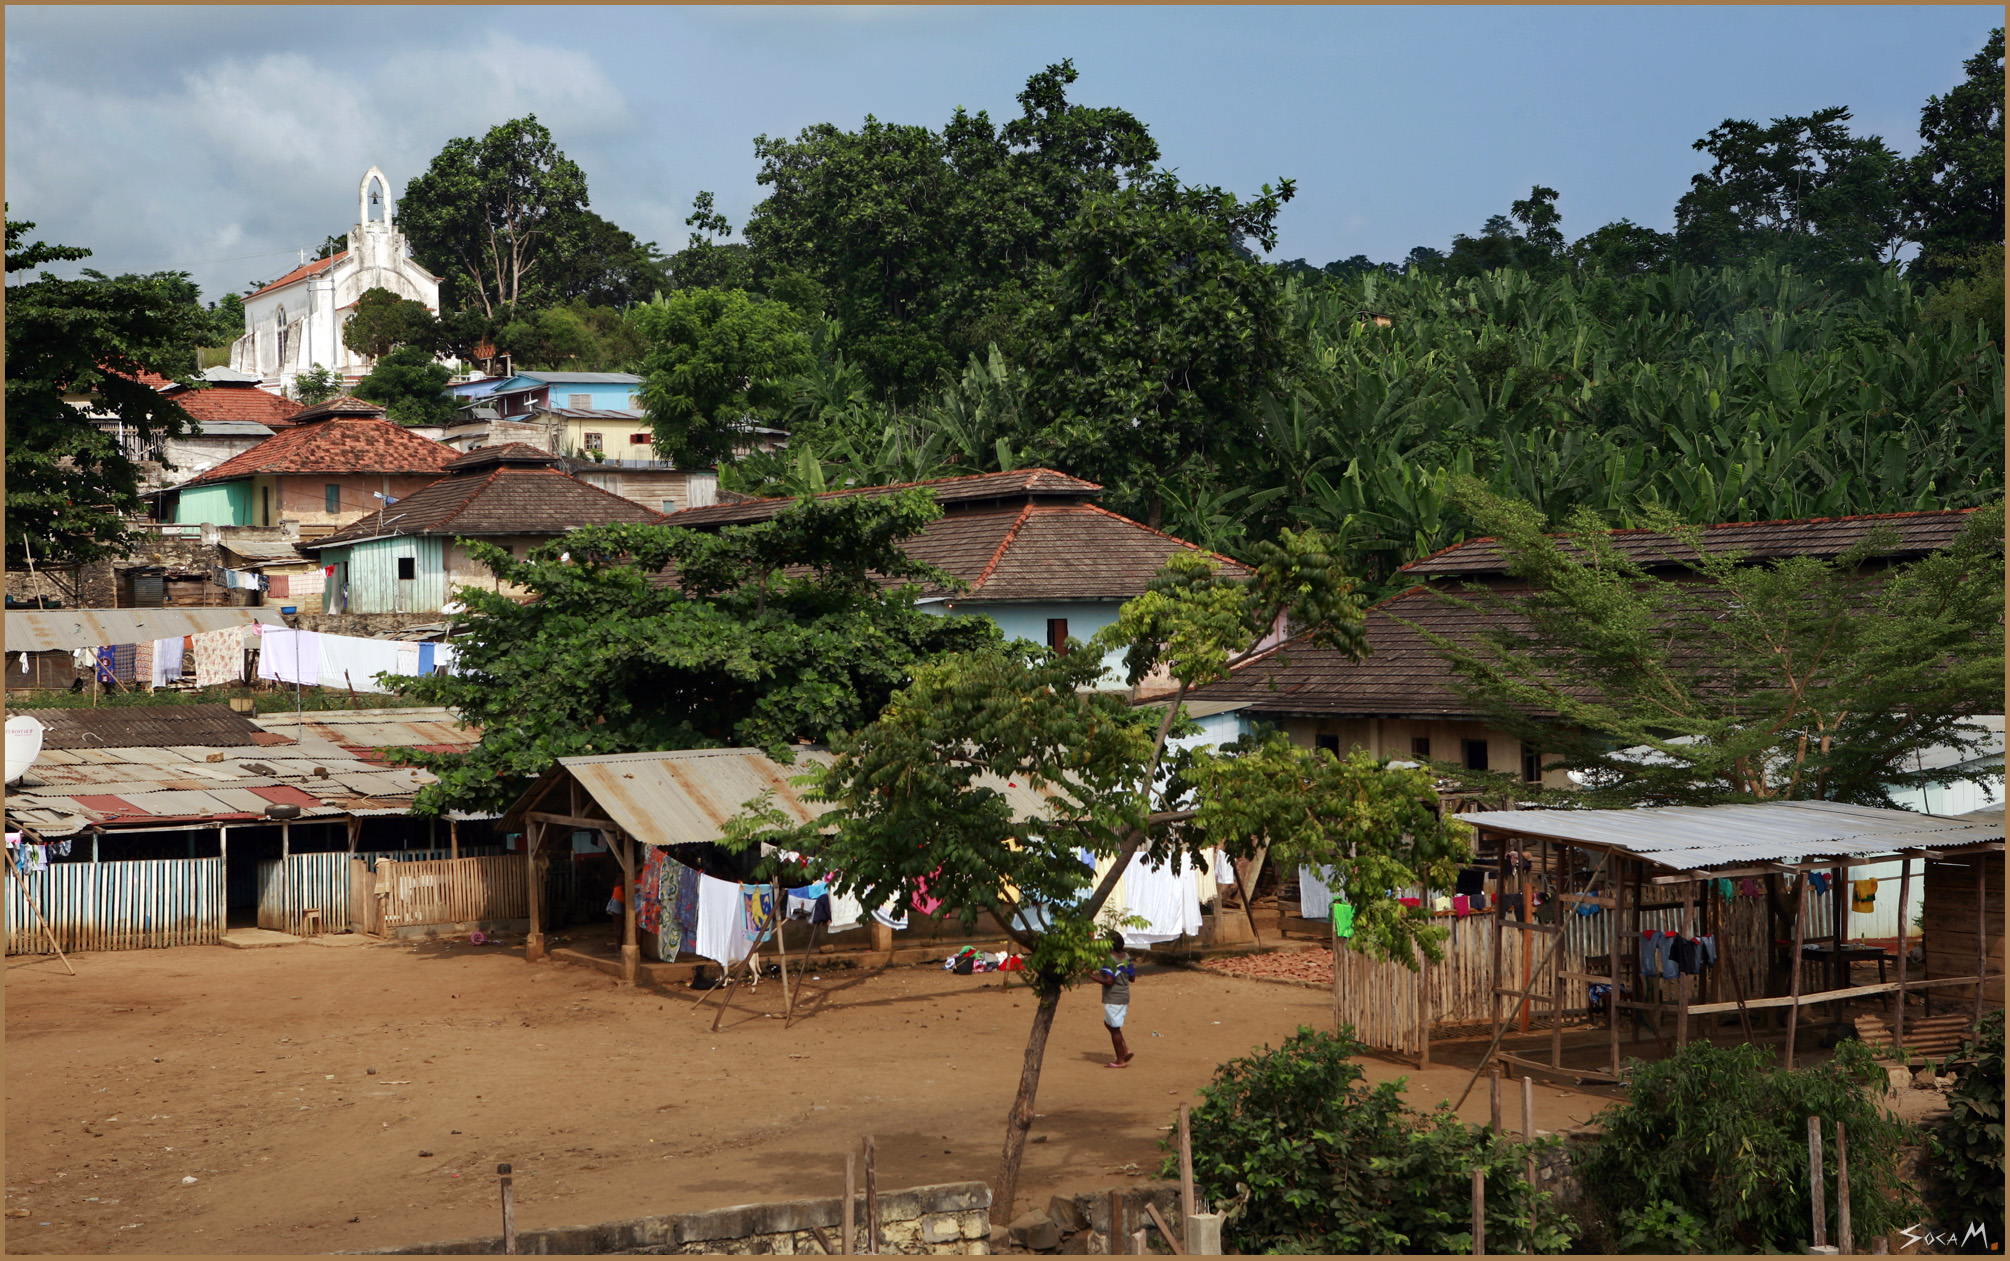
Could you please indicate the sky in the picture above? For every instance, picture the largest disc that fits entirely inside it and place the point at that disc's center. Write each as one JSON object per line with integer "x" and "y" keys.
{"x": 221, "y": 141}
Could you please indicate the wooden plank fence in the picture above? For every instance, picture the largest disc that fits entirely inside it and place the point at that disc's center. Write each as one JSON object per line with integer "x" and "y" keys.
{"x": 118, "y": 906}
{"x": 1381, "y": 999}
{"x": 448, "y": 891}
{"x": 307, "y": 882}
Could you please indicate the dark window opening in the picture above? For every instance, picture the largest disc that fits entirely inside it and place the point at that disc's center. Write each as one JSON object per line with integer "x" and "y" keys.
{"x": 1057, "y": 634}
{"x": 266, "y": 492}
{"x": 1329, "y": 743}
{"x": 333, "y": 495}
{"x": 1476, "y": 754}
{"x": 1531, "y": 765}
{"x": 1420, "y": 746}
{"x": 408, "y": 567}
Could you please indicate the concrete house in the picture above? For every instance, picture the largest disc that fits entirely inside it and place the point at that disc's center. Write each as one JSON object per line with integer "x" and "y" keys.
{"x": 330, "y": 466}
{"x": 231, "y": 413}
{"x": 1402, "y": 699}
{"x": 296, "y": 321}
{"x": 1043, "y": 561}
{"x": 409, "y": 558}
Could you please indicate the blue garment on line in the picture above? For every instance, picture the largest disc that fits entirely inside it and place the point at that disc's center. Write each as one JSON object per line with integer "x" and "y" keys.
{"x": 426, "y": 658}
{"x": 1655, "y": 957}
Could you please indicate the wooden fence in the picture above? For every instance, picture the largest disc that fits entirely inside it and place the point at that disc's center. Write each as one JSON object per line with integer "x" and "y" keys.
{"x": 1381, "y": 1000}
{"x": 118, "y": 906}
{"x": 433, "y": 892}
{"x": 306, "y": 882}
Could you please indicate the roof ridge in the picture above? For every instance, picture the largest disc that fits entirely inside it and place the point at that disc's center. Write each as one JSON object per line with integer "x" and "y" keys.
{"x": 1004, "y": 545}
{"x": 474, "y": 492}
{"x": 1230, "y": 560}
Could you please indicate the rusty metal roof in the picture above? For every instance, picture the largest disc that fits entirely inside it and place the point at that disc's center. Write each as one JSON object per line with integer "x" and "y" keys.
{"x": 47, "y": 630}
{"x": 365, "y": 732}
{"x": 676, "y": 798}
{"x": 1702, "y": 837}
{"x": 69, "y": 790}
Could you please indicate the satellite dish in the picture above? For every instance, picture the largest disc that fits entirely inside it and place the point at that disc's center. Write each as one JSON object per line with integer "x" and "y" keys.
{"x": 24, "y": 744}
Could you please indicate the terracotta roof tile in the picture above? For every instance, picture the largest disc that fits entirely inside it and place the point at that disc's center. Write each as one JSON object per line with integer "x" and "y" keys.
{"x": 1918, "y": 532}
{"x": 507, "y": 453}
{"x": 340, "y": 405}
{"x": 499, "y": 500}
{"x": 309, "y": 269}
{"x": 339, "y": 445}
{"x": 237, "y": 402}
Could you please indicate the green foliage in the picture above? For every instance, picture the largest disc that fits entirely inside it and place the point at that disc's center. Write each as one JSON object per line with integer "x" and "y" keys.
{"x": 1662, "y": 1227}
{"x": 1969, "y": 1144}
{"x": 758, "y": 635}
{"x": 489, "y": 216}
{"x": 1804, "y": 677}
{"x": 316, "y": 385}
{"x": 1955, "y": 181}
{"x": 226, "y": 319}
{"x": 265, "y": 701}
{"x": 384, "y": 321}
{"x": 69, "y": 486}
{"x": 1310, "y": 1158}
{"x": 411, "y": 385}
{"x": 572, "y": 338}
{"x": 715, "y": 368}
{"x": 1719, "y": 1136}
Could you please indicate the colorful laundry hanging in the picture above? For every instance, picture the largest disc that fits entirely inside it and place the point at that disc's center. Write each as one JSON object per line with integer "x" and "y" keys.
{"x": 1315, "y": 891}
{"x": 1343, "y": 920}
{"x": 1863, "y": 897}
{"x": 758, "y": 915}
{"x": 649, "y": 891}
{"x": 219, "y": 657}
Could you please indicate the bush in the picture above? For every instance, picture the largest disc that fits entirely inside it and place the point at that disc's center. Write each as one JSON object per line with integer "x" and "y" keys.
{"x": 1710, "y": 1151}
{"x": 1305, "y": 1157}
{"x": 1969, "y": 1146}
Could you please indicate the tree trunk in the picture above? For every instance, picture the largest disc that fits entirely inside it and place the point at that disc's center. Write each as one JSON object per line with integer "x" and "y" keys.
{"x": 1020, "y": 1121}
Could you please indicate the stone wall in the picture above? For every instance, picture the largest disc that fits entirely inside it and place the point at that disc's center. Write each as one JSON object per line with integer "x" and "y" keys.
{"x": 948, "y": 1218}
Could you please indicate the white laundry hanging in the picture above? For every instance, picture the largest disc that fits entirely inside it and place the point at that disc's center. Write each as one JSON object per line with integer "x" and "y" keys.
{"x": 1165, "y": 897}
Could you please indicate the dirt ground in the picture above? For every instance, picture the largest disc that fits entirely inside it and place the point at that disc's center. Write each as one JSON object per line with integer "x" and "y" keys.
{"x": 136, "y": 1120}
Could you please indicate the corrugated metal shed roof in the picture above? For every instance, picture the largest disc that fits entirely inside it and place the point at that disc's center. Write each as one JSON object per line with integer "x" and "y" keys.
{"x": 145, "y": 727}
{"x": 48, "y": 630}
{"x": 686, "y": 796}
{"x": 1702, "y": 837}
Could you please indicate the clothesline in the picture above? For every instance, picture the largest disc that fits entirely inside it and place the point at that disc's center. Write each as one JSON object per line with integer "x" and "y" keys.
{"x": 319, "y": 659}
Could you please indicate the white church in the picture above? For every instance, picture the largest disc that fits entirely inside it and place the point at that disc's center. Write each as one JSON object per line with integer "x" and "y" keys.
{"x": 296, "y": 321}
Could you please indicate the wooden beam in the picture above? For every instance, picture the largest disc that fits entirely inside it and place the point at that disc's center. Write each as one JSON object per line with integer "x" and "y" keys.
{"x": 570, "y": 820}
{"x": 1831, "y": 996}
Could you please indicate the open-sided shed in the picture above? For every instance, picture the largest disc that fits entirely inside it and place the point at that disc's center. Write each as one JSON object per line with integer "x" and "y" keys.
{"x": 1627, "y": 863}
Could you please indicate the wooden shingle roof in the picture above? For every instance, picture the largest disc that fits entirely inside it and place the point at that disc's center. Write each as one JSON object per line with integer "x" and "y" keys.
{"x": 497, "y": 500}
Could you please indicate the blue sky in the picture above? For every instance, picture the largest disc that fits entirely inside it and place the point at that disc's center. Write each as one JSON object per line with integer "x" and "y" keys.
{"x": 218, "y": 140}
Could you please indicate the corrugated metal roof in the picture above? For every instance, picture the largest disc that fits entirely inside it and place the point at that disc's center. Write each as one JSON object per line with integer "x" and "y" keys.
{"x": 1701, "y": 837}
{"x": 48, "y": 630}
{"x": 430, "y": 726}
{"x": 686, "y": 796}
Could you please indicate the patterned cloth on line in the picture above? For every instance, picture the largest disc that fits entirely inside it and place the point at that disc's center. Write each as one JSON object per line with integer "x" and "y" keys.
{"x": 649, "y": 892}
{"x": 219, "y": 657}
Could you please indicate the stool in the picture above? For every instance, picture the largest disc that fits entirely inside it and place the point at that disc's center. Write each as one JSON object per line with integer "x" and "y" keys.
{"x": 310, "y": 923}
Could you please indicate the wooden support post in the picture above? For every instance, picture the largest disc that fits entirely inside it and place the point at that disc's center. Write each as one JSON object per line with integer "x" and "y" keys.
{"x": 1119, "y": 1229}
{"x": 39, "y": 918}
{"x": 1333, "y": 929}
{"x": 1898, "y": 999}
{"x": 1187, "y": 1205}
{"x": 1499, "y": 947}
{"x": 1980, "y": 864}
{"x": 1479, "y": 1212}
{"x": 1838, "y": 928}
{"x": 453, "y": 838}
{"x": 802, "y": 973}
{"x": 1683, "y": 981}
{"x": 1612, "y": 931}
{"x": 1528, "y": 1136}
{"x": 509, "y": 1211}
{"x": 533, "y": 942}
{"x": 782, "y": 949}
{"x": 1800, "y": 937}
{"x": 624, "y": 847}
{"x": 1844, "y": 1240}
{"x": 1816, "y": 1199}
{"x": 871, "y": 1200}
{"x": 850, "y": 1202}
{"x": 1424, "y": 1004}
{"x": 1165, "y": 1230}
{"x": 1565, "y": 863}
{"x": 731, "y": 988}
{"x": 1494, "y": 1100}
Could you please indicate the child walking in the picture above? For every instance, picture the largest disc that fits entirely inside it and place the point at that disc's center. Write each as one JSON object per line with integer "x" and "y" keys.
{"x": 1115, "y": 976}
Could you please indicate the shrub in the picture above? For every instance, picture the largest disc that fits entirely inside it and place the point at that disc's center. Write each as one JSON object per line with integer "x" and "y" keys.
{"x": 1969, "y": 1145}
{"x": 1307, "y": 1158}
{"x": 1709, "y": 1150}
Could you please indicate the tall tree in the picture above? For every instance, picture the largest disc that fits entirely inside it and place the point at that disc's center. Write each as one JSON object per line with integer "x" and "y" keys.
{"x": 76, "y": 347}
{"x": 412, "y": 386}
{"x": 916, "y": 795}
{"x": 1954, "y": 186}
{"x": 1156, "y": 336}
{"x": 718, "y": 364}
{"x": 653, "y": 637}
{"x": 1802, "y": 678}
{"x": 1804, "y": 189}
{"x": 488, "y": 215}
{"x": 384, "y": 321}
{"x": 598, "y": 264}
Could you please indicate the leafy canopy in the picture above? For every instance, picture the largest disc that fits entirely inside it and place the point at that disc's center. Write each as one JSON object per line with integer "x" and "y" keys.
{"x": 70, "y": 487}
{"x": 384, "y": 321}
{"x": 653, "y": 637}
{"x": 716, "y": 367}
{"x": 411, "y": 385}
{"x": 1800, "y": 678}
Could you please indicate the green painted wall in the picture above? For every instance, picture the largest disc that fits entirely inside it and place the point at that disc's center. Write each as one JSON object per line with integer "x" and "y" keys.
{"x": 226, "y": 504}
{"x": 374, "y": 585}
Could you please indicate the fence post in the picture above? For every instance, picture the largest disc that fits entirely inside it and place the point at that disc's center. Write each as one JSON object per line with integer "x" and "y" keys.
{"x": 1479, "y": 1212}
{"x": 509, "y": 1211}
{"x": 1816, "y": 1199}
{"x": 871, "y": 1201}
{"x": 1843, "y": 1239}
{"x": 850, "y": 1202}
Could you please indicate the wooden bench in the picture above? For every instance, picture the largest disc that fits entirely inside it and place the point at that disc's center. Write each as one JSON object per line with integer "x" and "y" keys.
{"x": 1934, "y": 1037}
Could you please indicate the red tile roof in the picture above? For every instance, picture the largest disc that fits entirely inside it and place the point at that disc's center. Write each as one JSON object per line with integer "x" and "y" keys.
{"x": 299, "y": 273}
{"x": 1918, "y": 532}
{"x": 340, "y": 405}
{"x": 503, "y": 499}
{"x": 342, "y": 444}
{"x": 237, "y": 402}
{"x": 974, "y": 488}
{"x": 507, "y": 453}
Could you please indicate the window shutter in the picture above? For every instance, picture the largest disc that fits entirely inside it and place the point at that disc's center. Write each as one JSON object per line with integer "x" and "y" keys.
{"x": 579, "y": 402}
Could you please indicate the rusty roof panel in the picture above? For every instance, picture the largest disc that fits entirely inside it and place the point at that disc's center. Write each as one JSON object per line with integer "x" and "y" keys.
{"x": 47, "y": 630}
